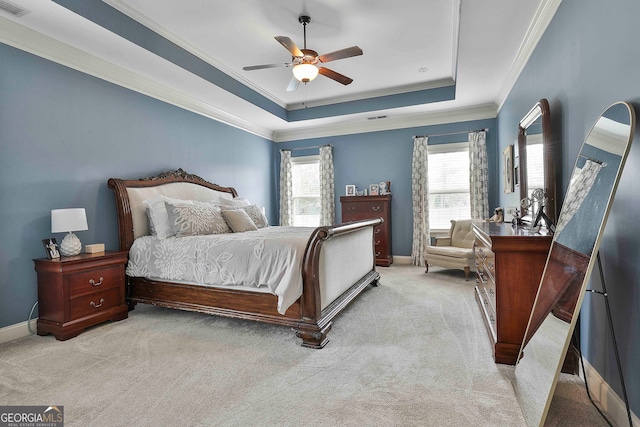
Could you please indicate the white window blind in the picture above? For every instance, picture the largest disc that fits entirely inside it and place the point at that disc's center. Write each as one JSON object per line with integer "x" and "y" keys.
{"x": 535, "y": 167}
{"x": 305, "y": 171}
{"x": 448, "y": 184}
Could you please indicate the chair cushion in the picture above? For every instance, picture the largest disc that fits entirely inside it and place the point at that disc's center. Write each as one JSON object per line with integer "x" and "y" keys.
{"x": 462, "y": 233}
{"x": 450, "y": 251}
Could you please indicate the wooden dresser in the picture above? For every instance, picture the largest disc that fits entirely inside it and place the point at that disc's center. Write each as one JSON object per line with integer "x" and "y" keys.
{"x": 367, "y": 207}
{"x": 509, "y": 266}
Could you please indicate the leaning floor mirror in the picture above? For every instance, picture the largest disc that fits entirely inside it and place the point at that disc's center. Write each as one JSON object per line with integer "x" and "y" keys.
{"x": 571, "y": 259}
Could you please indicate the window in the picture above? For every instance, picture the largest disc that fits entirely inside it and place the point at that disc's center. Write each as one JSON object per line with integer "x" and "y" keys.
{"x": 305, "y": 171}
{"x": 449, "y": 196}
{"x": 535, "y": 166}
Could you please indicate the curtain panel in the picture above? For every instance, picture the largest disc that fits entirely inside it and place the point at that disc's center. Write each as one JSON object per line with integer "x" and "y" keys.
{"x": 286, "y": 189}
{"x": 327, "y": 193}
{"x": 478, "y": 175}
{"x": 420, "y": 200}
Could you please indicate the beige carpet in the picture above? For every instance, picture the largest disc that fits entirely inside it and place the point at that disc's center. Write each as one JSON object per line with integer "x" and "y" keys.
{"x": 411, "y": 352}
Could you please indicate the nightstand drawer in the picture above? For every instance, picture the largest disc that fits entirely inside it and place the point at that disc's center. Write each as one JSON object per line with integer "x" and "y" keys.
{"x": 95, "y": 280}
{"x": 89, "y": 304}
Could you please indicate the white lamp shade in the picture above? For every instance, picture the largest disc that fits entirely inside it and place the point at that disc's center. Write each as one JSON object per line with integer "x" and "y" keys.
{"x": 305, "y": 72}
{"x": 64, "y": 220}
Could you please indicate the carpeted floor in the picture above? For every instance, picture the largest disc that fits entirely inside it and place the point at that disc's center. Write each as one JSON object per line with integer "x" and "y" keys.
{"x": 411, "y": 352}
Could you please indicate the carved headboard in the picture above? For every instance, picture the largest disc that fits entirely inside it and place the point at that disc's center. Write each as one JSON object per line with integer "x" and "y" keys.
{"x": 178, "y": 184}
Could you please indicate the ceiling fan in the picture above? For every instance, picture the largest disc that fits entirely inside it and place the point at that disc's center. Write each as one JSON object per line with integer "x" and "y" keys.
{"x": 305, "y": 61}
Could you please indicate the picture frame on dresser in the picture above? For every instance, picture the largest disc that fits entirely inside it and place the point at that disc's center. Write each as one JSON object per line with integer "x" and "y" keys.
{"x": 350, "y": 190}
{"x": 51, "y": 248}
{"x": 373, "y": 189}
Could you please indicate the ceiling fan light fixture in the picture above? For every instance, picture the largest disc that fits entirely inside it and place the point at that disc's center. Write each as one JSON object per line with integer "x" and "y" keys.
{"x": 305, "y": 72}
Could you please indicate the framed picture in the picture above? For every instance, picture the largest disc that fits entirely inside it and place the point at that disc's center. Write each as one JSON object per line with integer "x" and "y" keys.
{"x": 351, "y": 190}
{"x": 373, "y": 190}
{"x": 507, "y": 156}
{"x": 51, "y": 247}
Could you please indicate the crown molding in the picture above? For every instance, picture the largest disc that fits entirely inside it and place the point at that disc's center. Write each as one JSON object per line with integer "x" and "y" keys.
{"x": 544, "y": 14}
{"x": 363, "y": 125}
{"x": 36, "y": 43}
{"x": 162, "y": 31}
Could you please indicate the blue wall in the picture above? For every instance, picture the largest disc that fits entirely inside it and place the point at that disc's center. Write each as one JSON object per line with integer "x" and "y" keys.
{"x": 64, "y": 133}
{"x": 588, "y": 59}
{"x": 369, "y": 158}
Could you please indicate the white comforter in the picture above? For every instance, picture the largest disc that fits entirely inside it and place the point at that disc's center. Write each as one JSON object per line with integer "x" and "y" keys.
{"x": 269, "y": 257}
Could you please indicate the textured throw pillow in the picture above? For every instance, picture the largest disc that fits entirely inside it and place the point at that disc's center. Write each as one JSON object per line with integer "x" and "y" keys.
{"x": 238, "y": 220}
{"x": 196, "y": 218}
{"x": 157, "y": 215}
{"x": 236, "y": 203}
{"x": 254, "y": 212}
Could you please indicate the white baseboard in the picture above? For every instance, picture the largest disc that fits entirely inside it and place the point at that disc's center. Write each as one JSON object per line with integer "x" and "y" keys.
{"x": 403, "y": 260}
{"x": 609, "y": 401}
{"x": 19, "y": 330}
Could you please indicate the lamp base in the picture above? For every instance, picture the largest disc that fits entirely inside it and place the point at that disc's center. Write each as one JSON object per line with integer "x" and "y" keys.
{"x": 70, "y": 245}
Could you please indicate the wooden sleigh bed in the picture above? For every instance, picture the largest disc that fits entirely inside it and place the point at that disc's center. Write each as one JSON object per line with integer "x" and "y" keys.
{"x": 337, "y": 265}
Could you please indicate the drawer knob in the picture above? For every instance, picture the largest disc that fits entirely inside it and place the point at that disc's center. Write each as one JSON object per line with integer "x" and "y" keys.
{"x": 377, "y": 231}
{"x": 375, "y": 208}
{"x": 377, "y": 254}
{"x": 377, "y": 242}
{"x": 98, "y": 283}
{"x": 94, "y": 305}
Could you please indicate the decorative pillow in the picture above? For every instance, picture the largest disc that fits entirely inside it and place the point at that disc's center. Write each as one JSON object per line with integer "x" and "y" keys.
{"x": 157, "y": 214}
{"x": 238, "y": 220}
{"x": 254, "y": 212}
{"x": 196, "y": 218}
{"x": 237, "y": 202}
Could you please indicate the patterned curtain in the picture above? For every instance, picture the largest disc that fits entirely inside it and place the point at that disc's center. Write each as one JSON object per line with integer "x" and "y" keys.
{"x": 581, "y": 182}
{"x": 286, "y": 188}
{"x": 420, "y": 198}
{"x": 327, "y": 193}
{"x": 478, "y": 175}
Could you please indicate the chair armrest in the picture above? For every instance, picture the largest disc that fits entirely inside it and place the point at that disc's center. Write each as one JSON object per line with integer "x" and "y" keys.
{"x": 443, "y": 241}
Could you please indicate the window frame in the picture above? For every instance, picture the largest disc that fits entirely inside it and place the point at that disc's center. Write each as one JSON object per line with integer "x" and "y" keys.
{"x": 303, "y": 160}
{"x": 451, "y": 147}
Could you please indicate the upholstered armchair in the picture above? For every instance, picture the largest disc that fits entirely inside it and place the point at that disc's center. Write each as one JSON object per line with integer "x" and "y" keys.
{"x": 455, "y": 251}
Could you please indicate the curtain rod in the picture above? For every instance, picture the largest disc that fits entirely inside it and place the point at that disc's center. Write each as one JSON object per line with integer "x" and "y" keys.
{"x": 306, "y": 148}
{"x": 452, "y": 133}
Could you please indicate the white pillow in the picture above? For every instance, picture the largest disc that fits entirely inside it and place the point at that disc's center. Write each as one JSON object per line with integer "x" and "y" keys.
{"x": 238, "y": 220}
{"x": 254, "y": 212}
{"x": 159, "y": 224}
{"x": 237, "y": 202}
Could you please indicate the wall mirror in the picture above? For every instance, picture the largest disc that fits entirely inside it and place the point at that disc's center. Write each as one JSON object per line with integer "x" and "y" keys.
{"x": 571, "y": 259}
{"x": 538, "y": 154}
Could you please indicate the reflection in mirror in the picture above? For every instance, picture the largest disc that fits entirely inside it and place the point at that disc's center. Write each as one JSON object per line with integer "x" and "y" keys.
{"x": 537, "y": 155}
{"x": 571, "y": 259}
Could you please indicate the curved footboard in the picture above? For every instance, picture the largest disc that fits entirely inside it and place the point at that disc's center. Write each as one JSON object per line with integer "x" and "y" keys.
{"x": 338, "y": 264}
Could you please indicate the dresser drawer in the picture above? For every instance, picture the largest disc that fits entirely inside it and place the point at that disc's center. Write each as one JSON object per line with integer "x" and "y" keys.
{"x": 371, "y": 208}
{"x": 89, "y": 304}
{"x": 95, "y": 280}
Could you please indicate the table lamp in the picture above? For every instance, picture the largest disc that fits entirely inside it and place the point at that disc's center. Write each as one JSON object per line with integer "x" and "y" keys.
{"x": 69, "y": 220}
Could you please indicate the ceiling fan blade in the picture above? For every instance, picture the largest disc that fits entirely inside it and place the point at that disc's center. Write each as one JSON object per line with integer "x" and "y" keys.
{"x": 260, "y": 67}
{"x": 293, "y": 84}
{"x": 289, "y": 45}
{"x": 335, "y": 76}
{"x": 340, "y": 54}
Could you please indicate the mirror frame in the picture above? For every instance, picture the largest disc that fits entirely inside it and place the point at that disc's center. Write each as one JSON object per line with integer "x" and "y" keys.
{"x": 559, "y": 298}
{"x": 540, "y": 109}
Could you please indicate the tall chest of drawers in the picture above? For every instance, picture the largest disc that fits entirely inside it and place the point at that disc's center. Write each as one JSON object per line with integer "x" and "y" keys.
{"x": 509, "y": 266}
{"x": 366, "y": 207}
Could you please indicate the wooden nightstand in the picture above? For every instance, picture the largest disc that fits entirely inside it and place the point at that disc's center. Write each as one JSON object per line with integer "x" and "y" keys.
{"x": 80, "y": 291}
